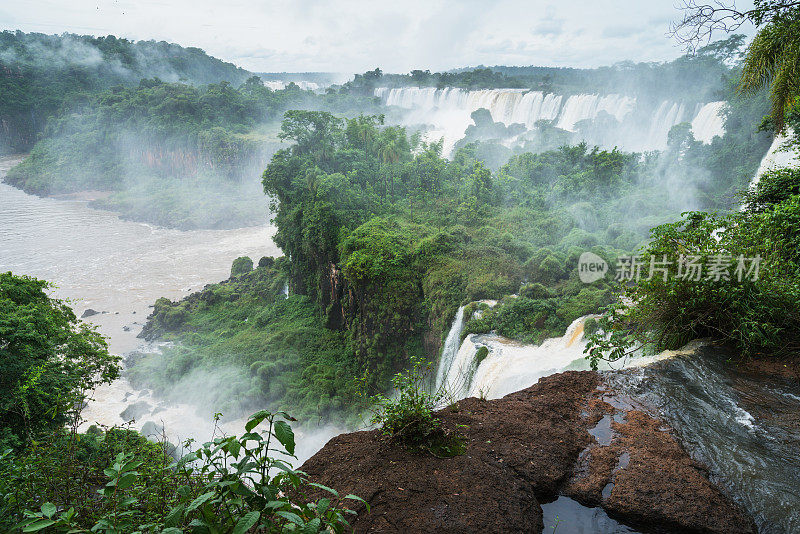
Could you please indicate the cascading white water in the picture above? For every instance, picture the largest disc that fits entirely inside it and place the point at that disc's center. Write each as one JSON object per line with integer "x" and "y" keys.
{"x": 450, "y": 349}
{"x": 709, "y": 123}
{"x": 277, "y": 85}
{"x": 776, "y": 157}
{"x": 511, "y": 366}
{"x": 666, "y": 116}
{"x": 582, "y": 107}
{"x": 448, "y": 111}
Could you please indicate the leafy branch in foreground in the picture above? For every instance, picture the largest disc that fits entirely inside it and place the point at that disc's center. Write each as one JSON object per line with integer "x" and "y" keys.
{"x": 229, "y": 485}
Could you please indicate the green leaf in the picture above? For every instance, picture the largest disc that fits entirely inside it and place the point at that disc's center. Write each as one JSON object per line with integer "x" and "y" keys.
{"x": 313, "y": 526}
{"x": 244, "y": 524}
{"x": 322, "y": 506}
{"x": 127, "y": 480}
{"x": 256, "y": 419}
{"x": 357, "y": 498}
{"x": 294, "y": 518}
{"x": 48, "y": 509}
{"x": 285, "y": 435}
{"x": 36, "y": 526}
{"x": 326, "y": 488}
{"x": 174, "y": 516}
{"x": 172, "y": 530}
{"x": 276, "y": 504}
{"x": 199, "y": 501}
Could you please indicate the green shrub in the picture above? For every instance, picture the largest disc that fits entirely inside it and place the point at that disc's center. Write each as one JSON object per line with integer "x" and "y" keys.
{"x": 266, "y": 261}
{"x": 535, "y": 291}
{"x": 229, "y": 484}
{"x": 409, "y": 417}
{"x": 241, "y": 265}
{"x": 549, "y": 271}
{"x": 481, "y": 355}
{"x": 590, "y": 326}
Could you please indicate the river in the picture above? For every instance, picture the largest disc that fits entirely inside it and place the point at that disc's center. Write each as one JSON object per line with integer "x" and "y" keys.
{"x": 119, "y": 268}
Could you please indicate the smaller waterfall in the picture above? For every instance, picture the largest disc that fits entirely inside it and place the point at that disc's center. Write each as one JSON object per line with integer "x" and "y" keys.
{"x": 709, "y": 122}
{"x": 776, "y": 157}
{"x": 509, "y": 365}
{"x": 450, "y": 349}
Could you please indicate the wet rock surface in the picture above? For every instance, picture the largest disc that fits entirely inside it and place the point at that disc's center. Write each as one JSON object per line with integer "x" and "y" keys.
{"x": 569, "y": 435}
{"x": 136, "y": 411}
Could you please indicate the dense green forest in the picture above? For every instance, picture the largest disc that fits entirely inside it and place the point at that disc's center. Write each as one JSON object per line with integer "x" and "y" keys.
{"x": 42, "y": 74}
{"x": 170, "y": 153}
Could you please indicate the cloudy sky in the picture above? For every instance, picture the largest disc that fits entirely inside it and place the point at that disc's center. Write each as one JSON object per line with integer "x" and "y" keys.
{"x": 353, "y": 36}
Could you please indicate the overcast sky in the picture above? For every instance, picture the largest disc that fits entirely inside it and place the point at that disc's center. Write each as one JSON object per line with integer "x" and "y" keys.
{"x": 353, "y": 36}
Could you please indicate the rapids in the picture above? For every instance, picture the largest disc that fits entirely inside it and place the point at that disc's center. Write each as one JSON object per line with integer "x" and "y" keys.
{"x": 745, "y": 428}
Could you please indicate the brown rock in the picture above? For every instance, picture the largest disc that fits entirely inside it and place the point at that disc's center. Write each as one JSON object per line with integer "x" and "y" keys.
{"x": 421, "y": 493}
{"x": 526, "y": 447}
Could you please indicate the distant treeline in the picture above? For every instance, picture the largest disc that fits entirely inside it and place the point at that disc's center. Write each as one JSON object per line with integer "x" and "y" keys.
{"x": 699, "y": 77}
{"x": 40, "y": 74}
{"x": 173, "y": 154}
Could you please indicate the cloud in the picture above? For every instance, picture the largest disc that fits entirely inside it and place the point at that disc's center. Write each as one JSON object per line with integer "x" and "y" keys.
{"x": 550, "y": 25}
{"x": 613, "y": 32}
{"x": 356, "y": 35}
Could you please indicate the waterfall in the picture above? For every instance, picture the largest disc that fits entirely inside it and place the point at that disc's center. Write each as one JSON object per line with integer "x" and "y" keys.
{"x": 450, "y": 349}
{"x": 666, "y": 116}
{"x": 447, "y": 113}
{"x": 709, "y": 123}
{"x": 509, "y": 365}
{"x": 582, "y": 107}
{"x": 277, "y": 85}
{"x": 776, "y": 158}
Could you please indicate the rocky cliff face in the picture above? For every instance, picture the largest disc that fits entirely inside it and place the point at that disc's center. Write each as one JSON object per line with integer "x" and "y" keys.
{"x": 570, "y": 435}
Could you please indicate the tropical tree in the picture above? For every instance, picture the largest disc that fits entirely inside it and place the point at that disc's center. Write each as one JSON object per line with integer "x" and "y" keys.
{"x": 774, "y": 58}
{"x": 49, "y": 362}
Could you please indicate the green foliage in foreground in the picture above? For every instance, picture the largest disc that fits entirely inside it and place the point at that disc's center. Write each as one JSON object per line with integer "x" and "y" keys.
{"x": 49, "y": 361}
{"x": 758, "y": 316}
{"x": 228, "y": 485}
{"x": 118, "y": 482}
